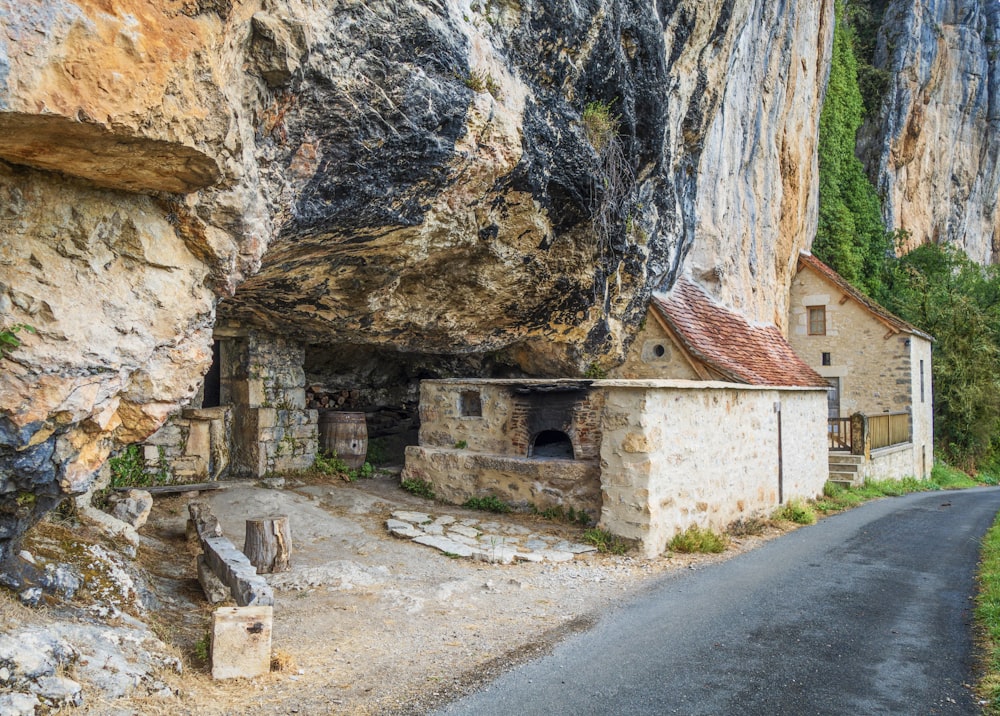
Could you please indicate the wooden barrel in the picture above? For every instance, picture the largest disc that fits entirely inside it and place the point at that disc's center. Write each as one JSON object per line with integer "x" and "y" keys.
{"x": 345, "y": 434}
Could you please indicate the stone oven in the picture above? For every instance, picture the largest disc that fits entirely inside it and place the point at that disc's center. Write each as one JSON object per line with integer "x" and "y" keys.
{"x": 533, "y": 443}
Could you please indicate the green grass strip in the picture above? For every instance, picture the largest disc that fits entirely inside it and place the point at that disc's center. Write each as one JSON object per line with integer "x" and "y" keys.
{"x": 988, "y": 619}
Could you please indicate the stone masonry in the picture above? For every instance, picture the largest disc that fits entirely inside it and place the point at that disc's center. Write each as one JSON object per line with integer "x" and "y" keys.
{"x": 262, "y": 378}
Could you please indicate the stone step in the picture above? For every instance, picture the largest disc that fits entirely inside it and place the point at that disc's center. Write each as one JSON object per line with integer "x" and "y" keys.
{"x": 846, "y": 457}
{"x": 843, "y": 476}
{"x": 844, "y": 467}
{"x": 842, "y": 483}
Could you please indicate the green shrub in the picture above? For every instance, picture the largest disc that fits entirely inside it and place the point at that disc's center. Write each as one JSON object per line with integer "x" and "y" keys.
{"x": 695, "y": 539}
{"x": 606, "y": 542}
{"x": 796, "y": 511}
{"x": 418, "y": 487}
{"x": 832, "y": 489}
{"x": 9, "y": 340}
{"x": 490, "y": 503}
{"x": 560, "y": 514}
{"x": 950, "y": 478}
{"x": 128, "y": 469}
{"x": 599, "y": 124}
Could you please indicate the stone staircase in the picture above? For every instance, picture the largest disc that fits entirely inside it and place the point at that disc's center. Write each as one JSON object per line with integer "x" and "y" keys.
{"x": 845, "y": 469}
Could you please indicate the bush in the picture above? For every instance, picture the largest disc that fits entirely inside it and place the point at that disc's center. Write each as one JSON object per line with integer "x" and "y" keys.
{"x": 695, "y": 539}
{"x": 796, "y": 511}
{"x": 605, "y": 542}
{"x": 418, "y": 487}
{"x": 490, "y": 503}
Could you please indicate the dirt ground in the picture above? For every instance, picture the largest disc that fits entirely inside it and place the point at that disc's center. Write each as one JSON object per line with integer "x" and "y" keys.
{"x": 365, "y": 623}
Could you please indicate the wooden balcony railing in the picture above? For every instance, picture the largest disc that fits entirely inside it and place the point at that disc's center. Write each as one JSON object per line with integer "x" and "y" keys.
{"x": 862, "y": 433}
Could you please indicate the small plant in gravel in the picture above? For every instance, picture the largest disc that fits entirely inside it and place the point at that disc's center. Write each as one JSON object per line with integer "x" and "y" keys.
{"x": 695, "y": 539}
{"x": 490, "y": 503}
{"x": 796, "y": 511}
{"x": 203, "y": 647}
{"x": 747, "y": 527}
{"x": 605, "y": 542}
{"x": 330, "y": 464}
{"x": 418, "y": 487}
{"x": 560, "y": 514}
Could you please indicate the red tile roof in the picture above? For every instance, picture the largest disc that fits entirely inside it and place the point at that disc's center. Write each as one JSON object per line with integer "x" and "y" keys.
{"x": 727, "y": 343}
{"x": 894, "y": 322}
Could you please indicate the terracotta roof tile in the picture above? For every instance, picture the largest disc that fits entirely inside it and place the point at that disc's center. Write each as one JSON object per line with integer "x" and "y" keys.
{"x": 728, "y": 343}
{"x": 895, "y": 322}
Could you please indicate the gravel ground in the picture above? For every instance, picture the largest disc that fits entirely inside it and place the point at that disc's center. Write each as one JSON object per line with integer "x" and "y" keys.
{"x": 365, "y": 623}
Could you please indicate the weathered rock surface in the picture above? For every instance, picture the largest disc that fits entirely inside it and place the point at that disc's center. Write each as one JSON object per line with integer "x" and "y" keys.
{"x": 407, "y": 175}
{"x": 934, "y": 148}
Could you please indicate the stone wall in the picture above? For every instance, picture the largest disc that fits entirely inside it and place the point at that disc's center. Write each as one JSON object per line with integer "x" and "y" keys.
{"x": 922, "y": 414}
{"x": 263, "y": 380}
{"x": 193, "y": 445}
{"x": 872, "y": 362}
{"x": 891, "y": 463}
{"x": 678, "y": 454}
{"x": 653, "y": 355}
{"x": 879, "y": 369}
{"x": 672, "y": 454}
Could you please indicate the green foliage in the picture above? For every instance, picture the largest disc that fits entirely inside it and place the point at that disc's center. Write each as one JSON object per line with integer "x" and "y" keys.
{"x": 943, "y": 292}
{"x": 606, "y": 542}
{"x": 851, "y": 235}
{"x": 480, "y": 81}
{"x": 600, "y": 124}
{"x": 947, "y": 477}
{"x": 330, "y": 464}
{"x": 595, "y": 372}
{"x": 202, "y": 648}
{"x": 988, "y": 619}
{"x": 560, "y": 514}
{"x": 461, "y": 445}
{"x": 128, "y": 469}
{"x": 418, "y": 487}
{"x": 796, "y": 511}
{"x": 695, "y": 539}
{"x": 490, "y": 503}
{"x": 9, "y": 340}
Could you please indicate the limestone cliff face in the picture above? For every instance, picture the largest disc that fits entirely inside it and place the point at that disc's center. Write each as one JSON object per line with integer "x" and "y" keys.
{"x": 934, "y": 147}
{"x": 411, "y": 176}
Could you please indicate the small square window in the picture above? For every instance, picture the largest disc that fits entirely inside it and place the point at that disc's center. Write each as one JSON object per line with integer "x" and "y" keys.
{"x": 817, "y": 320}
{"x": 470, "y": 404}
{"x": 826, "y": 359}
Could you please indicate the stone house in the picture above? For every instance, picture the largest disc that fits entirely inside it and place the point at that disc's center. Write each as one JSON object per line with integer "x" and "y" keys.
{"x": 709, "y": 420}
{"x": 878, "y": 367}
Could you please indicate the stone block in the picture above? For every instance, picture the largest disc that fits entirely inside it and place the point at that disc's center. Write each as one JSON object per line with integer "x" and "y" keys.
{"x": 151, "y": 454}
{"x": 267, "y": 418}
{"x": 199, "y": 440}
{"x": 241, "y": 642}
{"x": 215, "y": 590}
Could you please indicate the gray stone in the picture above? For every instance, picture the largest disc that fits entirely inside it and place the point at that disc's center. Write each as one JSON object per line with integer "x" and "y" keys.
{"x": 444, "y": 520}
{"x": 234, "y": 569}
{"x": 499, "y": 554}
{"x": 463, "y": 539}
{"x": 536, "y": 544}
{"x": 434, "y": 529}
{"x": 18, "y": 704}
{"x": 398, "y": 528}
{"x": 133, "y": 508}
{"x": 465, "y": 531}
{"x": 529, "y": 557}
{"x": 574, "y": 547}
{"x": 30, "y": 596}
{"x": 215, "y": 590}
{"x": 419, "y": 518}
{"x": 59, "y": 691}
{"x": 273, "y": 483}
{"x": 445, "y": 545}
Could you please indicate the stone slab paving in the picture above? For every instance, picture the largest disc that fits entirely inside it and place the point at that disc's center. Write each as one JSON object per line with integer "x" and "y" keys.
{"x": 486, "y": 541}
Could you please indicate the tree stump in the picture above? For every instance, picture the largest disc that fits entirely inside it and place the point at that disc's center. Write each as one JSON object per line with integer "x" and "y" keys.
{"x": 268, "y": 544}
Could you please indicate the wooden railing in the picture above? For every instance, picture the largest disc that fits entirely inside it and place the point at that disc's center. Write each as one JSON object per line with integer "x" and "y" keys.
{"x": 862, "y": 433}
{"x": 888, "y": 429}
{"x": 838, "y": 432}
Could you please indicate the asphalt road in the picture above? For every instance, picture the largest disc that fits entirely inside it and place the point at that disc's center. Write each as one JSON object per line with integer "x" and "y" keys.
{"x": 866, "y": 612}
